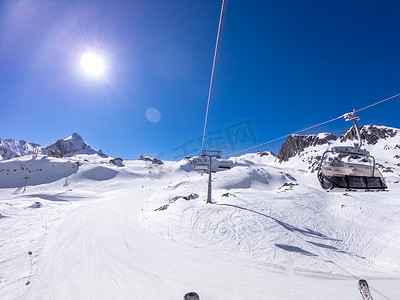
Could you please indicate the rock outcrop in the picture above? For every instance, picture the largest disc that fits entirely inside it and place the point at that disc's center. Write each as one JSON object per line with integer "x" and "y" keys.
{"x": 295, "y": 144}
{"x": 265, "y": 153}
{"x": 370, "y": 134}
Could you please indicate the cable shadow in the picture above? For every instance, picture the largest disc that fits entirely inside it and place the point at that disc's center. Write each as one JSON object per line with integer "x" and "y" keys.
{"x": 295, "y": 249}
{"x": 59, "y": 197}
{"x": 329, "y": 247}
{"x": 18, "y": 190}
{"x": 306, "y": 231}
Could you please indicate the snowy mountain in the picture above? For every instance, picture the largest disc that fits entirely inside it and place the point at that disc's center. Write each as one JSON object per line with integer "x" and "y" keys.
{"x": 12, "y": 148}
{"x": 74, "y": 144}
{"x": 71, "y": 145}
{"x": 142, "y": 230}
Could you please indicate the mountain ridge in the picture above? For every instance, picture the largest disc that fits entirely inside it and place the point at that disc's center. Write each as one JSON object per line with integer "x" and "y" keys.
{"x": 294, "y": 146}
{"x": 73, "y": 144}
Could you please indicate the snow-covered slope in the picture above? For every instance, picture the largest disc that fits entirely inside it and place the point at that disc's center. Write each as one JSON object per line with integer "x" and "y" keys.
{"x": 144, "y": 231}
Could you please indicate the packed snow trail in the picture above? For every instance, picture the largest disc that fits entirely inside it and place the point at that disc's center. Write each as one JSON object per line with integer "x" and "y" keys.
{"x": 101, "y": 251}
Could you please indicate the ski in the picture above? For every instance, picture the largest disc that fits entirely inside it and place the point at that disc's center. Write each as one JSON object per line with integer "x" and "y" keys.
{"x": 364, "y": 289}
{"x": 191, "y": 296}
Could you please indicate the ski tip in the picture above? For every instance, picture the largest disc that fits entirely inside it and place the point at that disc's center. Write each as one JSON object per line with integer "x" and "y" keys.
{"x": 364, "y": 289}
{"x": 191, "y": 296}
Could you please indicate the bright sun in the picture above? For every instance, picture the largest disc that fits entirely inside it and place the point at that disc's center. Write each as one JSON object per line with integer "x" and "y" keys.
{"x": 92, "y": 64}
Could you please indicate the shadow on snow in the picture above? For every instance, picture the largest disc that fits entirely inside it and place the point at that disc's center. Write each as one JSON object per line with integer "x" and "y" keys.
{"x": 306, "y": 231}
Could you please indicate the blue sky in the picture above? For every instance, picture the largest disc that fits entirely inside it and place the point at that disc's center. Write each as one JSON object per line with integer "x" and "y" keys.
{"x": 282, "y": 66}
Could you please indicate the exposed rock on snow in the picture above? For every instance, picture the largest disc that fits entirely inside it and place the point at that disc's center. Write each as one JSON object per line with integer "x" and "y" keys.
{"x": 387, "y": 170}
{"x": 36, "y": 205}
{"x": 289, "y": 185}
{"x": 228, "y": 195}
{"x": 265, "y": 153}
{"x": 161, "y": 208}
{"x": 188, "y": 197}
{"x": 117, "y": 161}
{"x": 155, "y": 161}
{"x": 191, "y": 196}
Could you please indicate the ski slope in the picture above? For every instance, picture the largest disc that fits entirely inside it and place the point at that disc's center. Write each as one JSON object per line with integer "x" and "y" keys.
{"x": 144, "y": 231}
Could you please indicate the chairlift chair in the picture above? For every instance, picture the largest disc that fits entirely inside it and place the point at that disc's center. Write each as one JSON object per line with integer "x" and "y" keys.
{"x": 201, "y": 164}
{"x": 350, "y": 176}
{"x": 224, "y": 164}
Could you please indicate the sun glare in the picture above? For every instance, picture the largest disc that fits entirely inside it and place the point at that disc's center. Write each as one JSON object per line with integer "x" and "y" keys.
{"x": 92, "y": 64}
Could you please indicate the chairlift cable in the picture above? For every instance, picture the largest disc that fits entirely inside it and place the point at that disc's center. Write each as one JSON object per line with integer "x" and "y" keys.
{"x": 212, "y": 72}
{"x": 285, "y": 136}
{"x": 314, "y": 126}
{"x": 379, "y": 102}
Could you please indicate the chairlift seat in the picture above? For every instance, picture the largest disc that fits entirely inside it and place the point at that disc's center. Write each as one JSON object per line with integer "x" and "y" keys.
{"x": 201, "y": 164}
{"x": 224, "y": 164}
{"x": 201, "y": 167}
{"x": 351, "y": 176}
{"x": 354, "y": 182}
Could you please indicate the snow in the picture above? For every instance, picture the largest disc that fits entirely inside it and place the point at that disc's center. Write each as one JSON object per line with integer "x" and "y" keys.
{"x": 133, "y": 232}
{"x": 323, "y": 135}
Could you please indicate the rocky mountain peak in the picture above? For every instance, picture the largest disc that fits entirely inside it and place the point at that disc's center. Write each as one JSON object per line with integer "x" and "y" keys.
{"x": 71, "y": 145}
{"x": 295, "y": 144}
{"x": 370, "y": 134}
